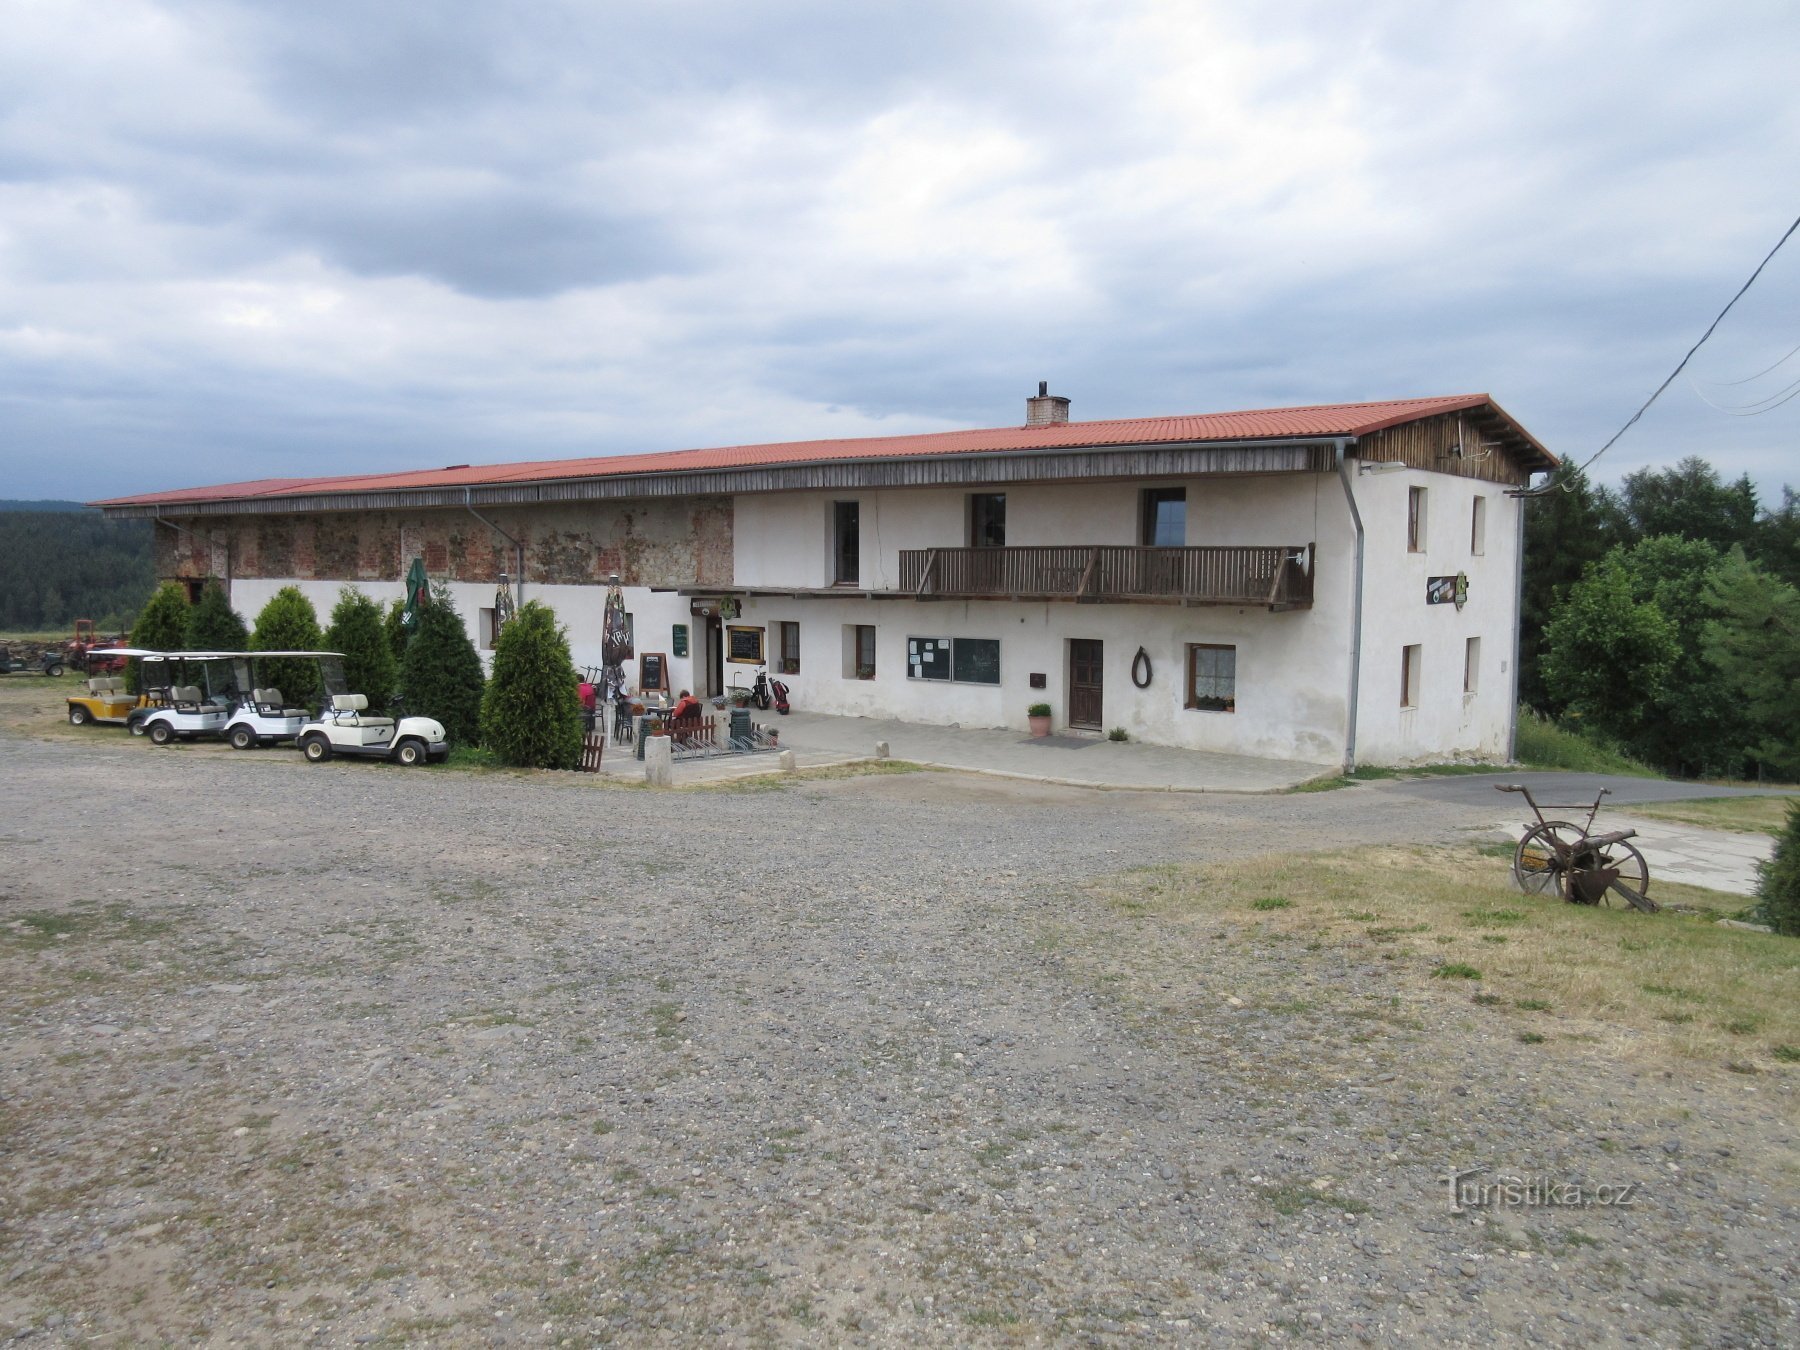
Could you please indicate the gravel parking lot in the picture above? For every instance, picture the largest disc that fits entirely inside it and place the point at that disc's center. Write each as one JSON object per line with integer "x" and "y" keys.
{"x": 350, "y": 1054}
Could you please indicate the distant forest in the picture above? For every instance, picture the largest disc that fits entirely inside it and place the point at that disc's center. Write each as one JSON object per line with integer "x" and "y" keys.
{"x": 60, "y": 562}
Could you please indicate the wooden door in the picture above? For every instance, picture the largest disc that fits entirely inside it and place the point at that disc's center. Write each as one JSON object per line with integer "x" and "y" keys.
{"x": 1086, "y": 680}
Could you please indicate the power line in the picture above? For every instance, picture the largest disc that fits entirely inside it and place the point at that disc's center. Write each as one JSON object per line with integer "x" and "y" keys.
{"x": 1727, "y": 384}
{"x": 1753, "y": 409}
{"x": 1682, "y": 364}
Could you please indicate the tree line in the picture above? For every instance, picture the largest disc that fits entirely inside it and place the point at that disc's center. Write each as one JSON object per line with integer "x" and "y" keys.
{"x": 59, "y": 566}
{"x": 1663, "y": 617}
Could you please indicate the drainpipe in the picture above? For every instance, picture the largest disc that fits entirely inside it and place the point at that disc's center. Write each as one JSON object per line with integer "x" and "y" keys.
{"x": 1356, "y": 604}
{"x": 517, "y": 546}
{"x": 1512, "y": 706}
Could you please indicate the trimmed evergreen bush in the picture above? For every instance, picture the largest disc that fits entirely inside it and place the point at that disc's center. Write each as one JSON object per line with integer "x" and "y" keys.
{"x": 441, "y": 671}
{"x": 1778, "y": 879}
{"x": 358, "y": 631}
{"x": 289, "y": 623}
{"x": 162, "y": 627}
{"x": 213, "y": 625}
{"x": 393, "y": 623}
{"x": 531, "y": 714}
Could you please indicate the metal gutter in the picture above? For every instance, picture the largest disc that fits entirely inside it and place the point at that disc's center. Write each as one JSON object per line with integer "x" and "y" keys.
{"x": 517, "y": 546}
{"x": 1356, "y": 606}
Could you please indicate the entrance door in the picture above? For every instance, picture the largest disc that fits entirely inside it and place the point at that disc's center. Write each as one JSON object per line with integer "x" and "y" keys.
{"x": 1086, "y": 664}
{"x": 715, "y": 656}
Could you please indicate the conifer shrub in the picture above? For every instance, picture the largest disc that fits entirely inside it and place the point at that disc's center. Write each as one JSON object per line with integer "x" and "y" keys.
{"x": 358, "y": 630}
{"x": 531, "y": 715}
{"x": 289, "y": 623}
{"x": 162, "y": 627}
{"x": 393, "y": 623}
{"x": 1778, "y": 879}
{"x": 213, "y": 625}
{"x": 440, "y": 675}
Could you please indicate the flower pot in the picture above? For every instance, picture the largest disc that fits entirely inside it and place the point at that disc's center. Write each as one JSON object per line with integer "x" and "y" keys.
{"x": 1040, "y": 726}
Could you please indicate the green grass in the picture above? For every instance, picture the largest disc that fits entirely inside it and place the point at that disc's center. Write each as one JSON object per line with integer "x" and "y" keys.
{"x": 1271, "y": 902}
{"x": 1547, "y": 744}
{"x": 470, "y": 757}
{"x": 1745, "y": 815}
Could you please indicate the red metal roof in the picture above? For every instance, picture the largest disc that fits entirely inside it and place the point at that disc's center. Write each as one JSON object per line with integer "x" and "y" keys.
{"x": 1335, "y": 419}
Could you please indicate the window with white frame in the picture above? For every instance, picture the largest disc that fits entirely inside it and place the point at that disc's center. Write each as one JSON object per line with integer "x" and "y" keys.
{"x": 1211, "y": 677}
{"x": 1478, "y": 527}
{"x": 1415, "y": 520}
{"x": 859, "y": 651}
{"x": 1471, "y": 665}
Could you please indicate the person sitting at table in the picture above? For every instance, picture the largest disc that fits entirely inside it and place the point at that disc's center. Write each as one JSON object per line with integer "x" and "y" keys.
{"x": 685, "y": 706}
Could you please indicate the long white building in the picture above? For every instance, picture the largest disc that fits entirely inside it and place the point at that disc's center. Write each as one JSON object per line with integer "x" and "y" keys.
{"x": 1328, "y": 584}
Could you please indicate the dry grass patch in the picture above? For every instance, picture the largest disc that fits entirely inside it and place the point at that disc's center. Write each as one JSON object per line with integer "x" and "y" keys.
{"x": 1678, "y": 980}
{"x": 1745, "y": 815}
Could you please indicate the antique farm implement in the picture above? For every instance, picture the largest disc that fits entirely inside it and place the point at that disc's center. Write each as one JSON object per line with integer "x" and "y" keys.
{"x": 1582, "y": 867}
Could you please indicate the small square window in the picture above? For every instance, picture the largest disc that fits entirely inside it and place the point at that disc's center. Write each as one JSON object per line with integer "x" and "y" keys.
{"x": 1415, "y": 520}
{"x": 1409, "y": 676}
{"x": 1211, "y": 677}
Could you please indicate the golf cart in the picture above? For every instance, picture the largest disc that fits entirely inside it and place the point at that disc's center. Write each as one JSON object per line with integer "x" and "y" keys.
{"x": 187, "y": 694}
{"x": 262, "y": 715}
{"x": 106, "y": 699}
{"x": 345, "y": 728}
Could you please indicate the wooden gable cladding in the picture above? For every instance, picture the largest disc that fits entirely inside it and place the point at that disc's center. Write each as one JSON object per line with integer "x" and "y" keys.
{"x": 1491, "y": 449}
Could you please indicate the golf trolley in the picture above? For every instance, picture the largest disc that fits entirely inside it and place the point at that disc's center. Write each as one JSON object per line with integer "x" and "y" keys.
{"x": 1576, "y": 864}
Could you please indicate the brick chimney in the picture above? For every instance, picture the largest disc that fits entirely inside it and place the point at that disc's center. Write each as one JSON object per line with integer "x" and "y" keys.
{"x": 1046, "y": 407}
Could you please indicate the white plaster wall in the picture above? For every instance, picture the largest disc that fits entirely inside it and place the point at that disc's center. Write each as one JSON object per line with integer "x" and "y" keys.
{"x": 1446, "y": 722}
{"x": 578, "y": 608}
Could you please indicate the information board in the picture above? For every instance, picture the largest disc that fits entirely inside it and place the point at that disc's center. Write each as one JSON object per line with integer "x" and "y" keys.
{"x": 744, "y": 645}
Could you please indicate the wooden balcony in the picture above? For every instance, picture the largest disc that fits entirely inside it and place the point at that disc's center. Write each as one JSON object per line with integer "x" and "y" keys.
{"x": 1273, "y": 576}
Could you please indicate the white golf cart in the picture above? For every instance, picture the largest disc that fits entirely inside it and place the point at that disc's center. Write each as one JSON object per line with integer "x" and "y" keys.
{"x": 263, "y": 715}
{"x": 345, "y": 728}
{"x": 189, "y": 694}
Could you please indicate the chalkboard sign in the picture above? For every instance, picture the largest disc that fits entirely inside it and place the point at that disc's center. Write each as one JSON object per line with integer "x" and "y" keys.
{"x": 977, "y": 661}
{"x": 744, "y": 645}
{"x": 653, "y": 672}
{"x": 681, "y": 639}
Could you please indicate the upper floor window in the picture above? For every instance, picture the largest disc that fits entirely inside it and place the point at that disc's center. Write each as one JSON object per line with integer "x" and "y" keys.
{"x": 1164, "y": 518}
{"x": 1415, "y": 520}
{"x": 1478, "y": 526}
{"x": 987, "y": 520}
{"x": 846, "y": 543}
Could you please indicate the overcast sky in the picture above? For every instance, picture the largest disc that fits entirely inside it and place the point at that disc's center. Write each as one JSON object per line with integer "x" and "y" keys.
{"x": 241, "y": 240}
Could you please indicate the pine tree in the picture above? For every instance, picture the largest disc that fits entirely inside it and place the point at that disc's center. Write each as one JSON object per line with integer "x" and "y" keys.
{"x": 162, "y": 627}
{"x": 213, "y": 625}
{"x": 441, "y": 673}
{"x": 288, "y": 623}
{"x": 531, "y": 714}
{"x": 357, "y": 630}
{"x": 393, "y": 623}
{"x": 1778, "y": 879}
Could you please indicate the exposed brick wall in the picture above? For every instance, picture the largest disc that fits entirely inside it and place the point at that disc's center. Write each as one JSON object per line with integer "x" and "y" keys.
{"x": 684, "y": 542}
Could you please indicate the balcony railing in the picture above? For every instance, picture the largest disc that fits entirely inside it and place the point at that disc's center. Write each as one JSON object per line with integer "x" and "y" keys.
{"x": 1278, "y": 576}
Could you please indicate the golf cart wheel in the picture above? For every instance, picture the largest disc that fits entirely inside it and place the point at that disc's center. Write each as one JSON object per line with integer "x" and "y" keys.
{"x": 161, "y": 733}
{"x": 136, "y": 726}
{"x": 242, "y": 738}
{"x": 410, "y": 753}
{"x": 316, "y": 749}
{"x": 79, "y": 716}
{"x": 54, "y": 669}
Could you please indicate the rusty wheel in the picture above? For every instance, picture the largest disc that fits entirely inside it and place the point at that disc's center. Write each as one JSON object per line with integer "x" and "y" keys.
{"x": 1632, "y": 885}
{"x": 1541, "y": 862}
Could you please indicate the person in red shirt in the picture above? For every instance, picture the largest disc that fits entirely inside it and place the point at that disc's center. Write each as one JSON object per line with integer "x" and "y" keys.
{"x": 686, "y": 706}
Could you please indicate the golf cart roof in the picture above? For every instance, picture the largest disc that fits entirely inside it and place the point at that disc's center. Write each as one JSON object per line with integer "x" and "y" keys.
{"x": 285, "y": 654}
{"x": 123, "y": 651}
{"x": 190, "y": 656}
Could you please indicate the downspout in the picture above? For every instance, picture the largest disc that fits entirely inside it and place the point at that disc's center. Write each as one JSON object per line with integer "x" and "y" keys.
{"x": 1512, "y": 713}
{"x": 517, "y": 546}
{"x": 1356, "y": 605}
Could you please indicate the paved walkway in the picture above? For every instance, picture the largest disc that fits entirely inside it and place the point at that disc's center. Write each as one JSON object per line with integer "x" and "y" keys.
{"x": 818, "y": 739}
{"x": 1722, "y": 860}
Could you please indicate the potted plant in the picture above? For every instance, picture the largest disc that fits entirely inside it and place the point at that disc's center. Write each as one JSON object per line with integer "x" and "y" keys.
{"x": 1039, "y": 716}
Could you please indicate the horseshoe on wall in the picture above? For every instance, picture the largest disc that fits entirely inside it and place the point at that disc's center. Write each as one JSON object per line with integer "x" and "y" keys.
{"x": 1141, "y": 659}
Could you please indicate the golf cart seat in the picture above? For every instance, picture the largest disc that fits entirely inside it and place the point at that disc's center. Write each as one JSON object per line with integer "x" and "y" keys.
{"x": 186, "y": 696}
{"x": 269, "y": 704}
{"x": 356, "y": 703}
{"x": 105, "y": 686}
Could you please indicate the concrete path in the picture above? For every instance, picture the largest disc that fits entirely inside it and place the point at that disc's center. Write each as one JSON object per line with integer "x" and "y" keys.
{"x": 818, "y": 739}
{"x": 1721, "y": 860}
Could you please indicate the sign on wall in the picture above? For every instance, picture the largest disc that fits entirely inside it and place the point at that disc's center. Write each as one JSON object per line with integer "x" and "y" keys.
{"x": 744, "y": 645}
{"x": 679, "y": 638}
{"x": 1448, "y": 590}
